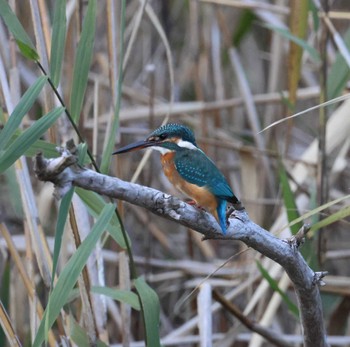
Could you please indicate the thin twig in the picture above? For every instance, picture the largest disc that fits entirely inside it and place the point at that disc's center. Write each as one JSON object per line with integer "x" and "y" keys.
{"x": 268, "y": 334}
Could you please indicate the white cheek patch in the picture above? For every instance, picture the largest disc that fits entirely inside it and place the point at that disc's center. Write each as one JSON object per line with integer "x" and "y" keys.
{"x": 162, "y": 150}
{"x": 186, "y": 144}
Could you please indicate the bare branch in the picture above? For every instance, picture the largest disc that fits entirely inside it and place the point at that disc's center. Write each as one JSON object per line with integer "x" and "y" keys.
{"x": 64, "y": 172}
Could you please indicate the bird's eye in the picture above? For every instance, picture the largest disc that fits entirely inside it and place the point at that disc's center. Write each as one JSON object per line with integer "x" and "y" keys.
{"x": 160, "y": 137}
{"x": 163, "y": 136}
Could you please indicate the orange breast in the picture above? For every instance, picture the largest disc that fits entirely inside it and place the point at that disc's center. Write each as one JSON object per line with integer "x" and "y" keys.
{"x": 199, "y": 194}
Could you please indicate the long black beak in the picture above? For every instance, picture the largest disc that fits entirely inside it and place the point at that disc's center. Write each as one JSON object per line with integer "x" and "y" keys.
{"x": 135, "y": 146}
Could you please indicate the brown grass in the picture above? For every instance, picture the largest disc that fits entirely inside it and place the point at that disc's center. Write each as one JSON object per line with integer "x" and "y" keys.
{"x": 181, "y": 66}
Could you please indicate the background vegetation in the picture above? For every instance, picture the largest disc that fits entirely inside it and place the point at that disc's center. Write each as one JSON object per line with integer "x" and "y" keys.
{"x": 106, "y": 73}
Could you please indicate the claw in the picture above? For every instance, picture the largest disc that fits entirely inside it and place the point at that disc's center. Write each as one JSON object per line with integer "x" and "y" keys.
{"x": 193, "y": 203}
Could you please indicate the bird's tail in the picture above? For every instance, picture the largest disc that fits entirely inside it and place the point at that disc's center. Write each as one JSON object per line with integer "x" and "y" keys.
{"x": 221, "y": 215}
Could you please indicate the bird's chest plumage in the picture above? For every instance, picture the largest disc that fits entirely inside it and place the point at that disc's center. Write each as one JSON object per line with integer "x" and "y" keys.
{"x": 200, "y": 194}
{"x": 169, "y": 168}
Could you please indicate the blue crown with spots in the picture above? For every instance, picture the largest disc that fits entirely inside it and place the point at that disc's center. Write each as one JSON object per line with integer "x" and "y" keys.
{"x": 175, "y": 130}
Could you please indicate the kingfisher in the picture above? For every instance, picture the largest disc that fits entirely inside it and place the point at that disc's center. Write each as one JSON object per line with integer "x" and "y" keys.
{"x": 189, "y": 169}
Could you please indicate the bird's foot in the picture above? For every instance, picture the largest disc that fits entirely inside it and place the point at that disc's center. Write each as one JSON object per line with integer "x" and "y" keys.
{"x": 193, "y": 203}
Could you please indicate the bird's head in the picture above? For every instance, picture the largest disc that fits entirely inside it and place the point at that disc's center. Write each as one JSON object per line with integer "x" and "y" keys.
{"x": 169, "y": 137}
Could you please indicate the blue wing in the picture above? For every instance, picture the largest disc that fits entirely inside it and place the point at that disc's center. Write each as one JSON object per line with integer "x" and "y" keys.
{"x": 195, "y": 167}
